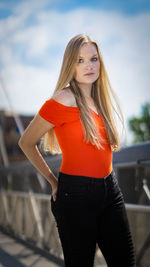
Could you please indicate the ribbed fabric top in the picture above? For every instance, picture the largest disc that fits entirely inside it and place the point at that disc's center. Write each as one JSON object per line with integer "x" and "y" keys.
{"x": 78, "y": 157}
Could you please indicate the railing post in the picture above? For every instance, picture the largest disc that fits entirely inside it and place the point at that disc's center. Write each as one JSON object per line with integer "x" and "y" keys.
{"x": 37, "y": 216}
{"x": 5, "y": 207}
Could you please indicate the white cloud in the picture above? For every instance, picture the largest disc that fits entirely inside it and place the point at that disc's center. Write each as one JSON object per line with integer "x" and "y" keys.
{"x": 35, "y": 38}
{"x": 124, "y": 42}
{"x": 28, "y": 86}
{"x": 28, "y": 7}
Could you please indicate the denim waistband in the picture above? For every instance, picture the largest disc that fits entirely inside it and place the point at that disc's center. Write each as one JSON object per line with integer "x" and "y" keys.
{"x": 63, "y": 177}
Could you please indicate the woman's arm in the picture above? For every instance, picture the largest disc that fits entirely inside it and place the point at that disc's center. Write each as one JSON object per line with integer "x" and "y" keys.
{"x": 28, "y": 143}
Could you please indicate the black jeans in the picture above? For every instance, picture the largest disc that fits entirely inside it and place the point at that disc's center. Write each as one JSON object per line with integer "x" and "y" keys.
{"x": 90, "y": 211}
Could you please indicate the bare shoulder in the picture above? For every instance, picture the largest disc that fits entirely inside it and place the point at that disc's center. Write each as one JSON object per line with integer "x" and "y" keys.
{"x": 65, "y": 97}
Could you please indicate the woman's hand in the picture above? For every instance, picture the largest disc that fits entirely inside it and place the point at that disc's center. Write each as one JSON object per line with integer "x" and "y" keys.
{"x": 114, "y": 148}
{"x": 54, "y": 191}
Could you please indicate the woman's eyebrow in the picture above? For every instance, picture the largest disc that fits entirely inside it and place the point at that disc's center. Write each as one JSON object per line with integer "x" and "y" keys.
{"x": 96, "y": 55}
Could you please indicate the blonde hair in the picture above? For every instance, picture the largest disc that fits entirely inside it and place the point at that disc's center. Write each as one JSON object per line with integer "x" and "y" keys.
{"x": 101, "y": 93}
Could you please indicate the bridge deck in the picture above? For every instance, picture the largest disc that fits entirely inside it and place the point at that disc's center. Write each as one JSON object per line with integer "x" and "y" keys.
{"x": 16, "y": 254}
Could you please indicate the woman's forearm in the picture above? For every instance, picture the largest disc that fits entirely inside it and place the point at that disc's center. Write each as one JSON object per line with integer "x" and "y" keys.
{"x": 35, "y": 157}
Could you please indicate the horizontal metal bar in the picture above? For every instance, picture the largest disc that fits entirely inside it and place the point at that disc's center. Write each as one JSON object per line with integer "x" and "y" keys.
{"x": 26, "y": 194}
{"x": 27, "y": 167}
{"x": 131, "y": 164}
{"x": 138, "y": 208}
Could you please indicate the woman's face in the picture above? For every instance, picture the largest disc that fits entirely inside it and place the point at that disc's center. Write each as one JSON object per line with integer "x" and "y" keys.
{"x": 87, "y": 68}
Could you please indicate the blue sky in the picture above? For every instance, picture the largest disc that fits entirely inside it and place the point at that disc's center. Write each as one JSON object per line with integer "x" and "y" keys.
{"x": 34, "y": 34}
{"x": 127, "y": 6}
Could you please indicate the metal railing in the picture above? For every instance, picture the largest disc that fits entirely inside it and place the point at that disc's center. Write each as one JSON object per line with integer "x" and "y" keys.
{"x": 28, "y": 216}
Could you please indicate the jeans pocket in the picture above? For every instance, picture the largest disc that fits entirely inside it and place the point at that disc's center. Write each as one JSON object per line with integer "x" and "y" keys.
{"x": 72, "y": 193}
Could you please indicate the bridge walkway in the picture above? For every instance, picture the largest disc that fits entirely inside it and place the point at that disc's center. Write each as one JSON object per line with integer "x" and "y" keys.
{"x": 14, "y": 253}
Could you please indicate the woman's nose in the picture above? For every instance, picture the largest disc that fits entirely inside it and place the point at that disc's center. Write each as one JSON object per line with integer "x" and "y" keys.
{"x": 89, "y": 65}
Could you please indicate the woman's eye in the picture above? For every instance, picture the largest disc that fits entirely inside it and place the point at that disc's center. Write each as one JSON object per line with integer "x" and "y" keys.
{"x": 94, "y": 59}
{"x": 80, "y": 60}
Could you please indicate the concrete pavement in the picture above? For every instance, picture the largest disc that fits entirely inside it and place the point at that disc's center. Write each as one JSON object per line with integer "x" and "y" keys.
{"x": 15, "y": 254}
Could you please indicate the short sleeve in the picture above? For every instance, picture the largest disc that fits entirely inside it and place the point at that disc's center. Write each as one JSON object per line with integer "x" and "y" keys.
{"x": 57, "y": 113}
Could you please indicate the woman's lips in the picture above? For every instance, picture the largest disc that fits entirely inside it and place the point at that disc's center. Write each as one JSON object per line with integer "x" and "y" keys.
{"x": 89, "y": 74}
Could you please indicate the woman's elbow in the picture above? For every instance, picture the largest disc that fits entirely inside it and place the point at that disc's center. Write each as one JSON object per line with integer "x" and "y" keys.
{"x": 24, "y": 143}
{"x": 21, "y": 142}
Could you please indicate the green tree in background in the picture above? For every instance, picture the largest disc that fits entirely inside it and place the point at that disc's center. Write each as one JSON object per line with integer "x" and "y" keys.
{"x": 140, "y": 126}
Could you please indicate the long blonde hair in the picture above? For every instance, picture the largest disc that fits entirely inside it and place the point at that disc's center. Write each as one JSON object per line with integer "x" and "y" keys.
{"x": 101, "y": 93}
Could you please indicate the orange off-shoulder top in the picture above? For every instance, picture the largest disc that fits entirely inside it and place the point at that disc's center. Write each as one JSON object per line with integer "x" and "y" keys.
{"x": 78, "y": 157}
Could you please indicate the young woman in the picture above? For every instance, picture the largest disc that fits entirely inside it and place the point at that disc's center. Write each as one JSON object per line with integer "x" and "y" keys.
{"x": 78, "y": 121}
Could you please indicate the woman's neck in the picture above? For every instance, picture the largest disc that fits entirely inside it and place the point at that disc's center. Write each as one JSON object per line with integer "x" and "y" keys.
{"x": 86, "y": 90}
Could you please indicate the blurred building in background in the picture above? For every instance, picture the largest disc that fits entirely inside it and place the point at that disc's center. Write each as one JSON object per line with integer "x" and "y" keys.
{"x": 10, "y": 134}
